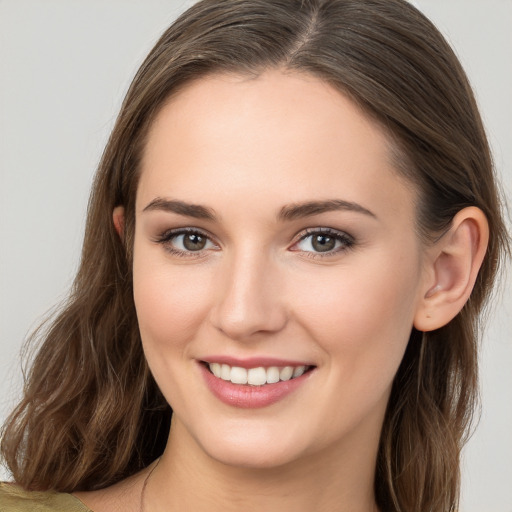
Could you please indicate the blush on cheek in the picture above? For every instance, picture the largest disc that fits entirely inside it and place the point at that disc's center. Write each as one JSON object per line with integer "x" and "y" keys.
{"x": 165, "y": 317}
{"x": 171, "y": 301}
{"x": 365, "y": 316}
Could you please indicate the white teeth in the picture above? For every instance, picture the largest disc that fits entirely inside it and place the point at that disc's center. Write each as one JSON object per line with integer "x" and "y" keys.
{"x": 298, "y": 371}
{"x": 272, "y": 375}
{"x": 216, "y": 369}
{"x": 286, "y": 373}
{"x": 238, "y": 375}
{"x": 225, "y": 372}
{"x": 255, "y": 376}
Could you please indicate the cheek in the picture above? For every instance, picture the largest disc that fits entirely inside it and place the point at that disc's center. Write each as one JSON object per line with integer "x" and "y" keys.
{"x": 171, "y": 301}
{"x": 361, "y": 316}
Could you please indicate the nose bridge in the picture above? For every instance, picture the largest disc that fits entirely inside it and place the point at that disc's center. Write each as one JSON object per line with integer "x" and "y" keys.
{"x": 249, "y": 301}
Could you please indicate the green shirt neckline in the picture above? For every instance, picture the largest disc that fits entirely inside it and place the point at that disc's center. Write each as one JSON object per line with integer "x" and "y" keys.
{"x": 14, "y": 498}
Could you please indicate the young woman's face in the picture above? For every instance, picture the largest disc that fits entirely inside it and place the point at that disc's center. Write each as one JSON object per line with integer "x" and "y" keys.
{"x": 273, "y": 237}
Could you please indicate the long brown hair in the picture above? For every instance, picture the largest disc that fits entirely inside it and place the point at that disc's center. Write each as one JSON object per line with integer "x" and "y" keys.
{"x": 92, "y": 414}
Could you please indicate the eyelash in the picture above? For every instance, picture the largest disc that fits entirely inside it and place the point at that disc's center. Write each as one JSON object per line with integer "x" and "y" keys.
{"x": 346, "y": 240}
{"x": 166, "y": 237}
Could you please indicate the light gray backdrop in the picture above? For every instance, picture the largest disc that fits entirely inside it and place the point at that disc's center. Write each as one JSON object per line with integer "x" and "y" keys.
{"x": 64, "y": 67}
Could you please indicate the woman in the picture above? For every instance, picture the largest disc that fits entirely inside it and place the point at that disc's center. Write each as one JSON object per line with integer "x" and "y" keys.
{"x": 292, "y": 233}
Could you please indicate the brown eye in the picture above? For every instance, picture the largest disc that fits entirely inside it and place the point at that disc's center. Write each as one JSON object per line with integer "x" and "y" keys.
{"x": 323, "y": 243}
{"x": 186, "y": 242}
{"x": 194, "y": 242}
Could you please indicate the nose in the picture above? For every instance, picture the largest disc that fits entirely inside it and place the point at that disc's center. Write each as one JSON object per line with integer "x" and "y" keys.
{"x": 250, "y": 299}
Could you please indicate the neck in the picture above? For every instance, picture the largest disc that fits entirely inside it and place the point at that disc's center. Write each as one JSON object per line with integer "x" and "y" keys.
{"x": 341, "y": 480}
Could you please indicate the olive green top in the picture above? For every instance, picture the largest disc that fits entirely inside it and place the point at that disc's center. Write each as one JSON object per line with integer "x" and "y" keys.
{"x": 15, "y": 499}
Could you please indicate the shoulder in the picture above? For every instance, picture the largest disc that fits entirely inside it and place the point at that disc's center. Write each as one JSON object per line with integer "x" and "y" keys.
{"x": 15, "y": 499}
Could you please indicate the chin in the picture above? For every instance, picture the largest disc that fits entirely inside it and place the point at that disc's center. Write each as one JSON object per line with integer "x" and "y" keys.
{"x": 251, "y": 457}
{"x": 259, "y": 447}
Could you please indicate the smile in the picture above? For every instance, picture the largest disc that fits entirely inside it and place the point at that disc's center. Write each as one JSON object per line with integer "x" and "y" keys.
{"x": 256, "y": 376}
{"x": 256, "y": 383}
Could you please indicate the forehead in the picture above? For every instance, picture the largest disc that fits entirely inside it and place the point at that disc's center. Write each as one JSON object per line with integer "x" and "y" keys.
{"x": 282, "y": 136}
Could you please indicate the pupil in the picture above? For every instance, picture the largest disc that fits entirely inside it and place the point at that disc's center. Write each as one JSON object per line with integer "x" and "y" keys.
{"x": 323, "y": 243}
{"x": 194, "y": 242}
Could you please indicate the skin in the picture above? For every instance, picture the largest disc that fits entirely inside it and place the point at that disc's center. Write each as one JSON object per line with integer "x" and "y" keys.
{"x": 245, "y": 149}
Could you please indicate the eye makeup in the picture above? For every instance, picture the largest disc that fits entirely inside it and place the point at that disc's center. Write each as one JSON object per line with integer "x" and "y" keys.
{"x": 194, "y": 242}
{"x": 191, "y": 242}
{"x": 324, "y": 242}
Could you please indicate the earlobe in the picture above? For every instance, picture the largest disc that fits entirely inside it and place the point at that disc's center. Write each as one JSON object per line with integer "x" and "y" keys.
{"x": 453, "y": 269}
{"x": 118, "y": 219}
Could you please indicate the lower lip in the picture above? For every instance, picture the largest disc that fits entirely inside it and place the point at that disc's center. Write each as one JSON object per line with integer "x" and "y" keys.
{"x": 251, "y": 397}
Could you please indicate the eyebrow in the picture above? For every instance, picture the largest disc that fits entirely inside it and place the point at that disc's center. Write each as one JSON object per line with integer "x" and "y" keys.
{"x": 310, "y": 208}
{"x": 181, "y": 208}
{"x": 287, "y": 213}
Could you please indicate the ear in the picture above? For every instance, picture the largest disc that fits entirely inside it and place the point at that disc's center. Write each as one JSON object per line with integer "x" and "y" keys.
{"x": 118, "y": 218}
{"x": 452, "y": 269}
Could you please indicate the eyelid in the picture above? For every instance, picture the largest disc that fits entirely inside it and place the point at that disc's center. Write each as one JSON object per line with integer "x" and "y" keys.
{"x": 166, "y": 236}
{"x": 347, "y": 240}
{"x": 169, "y": 233}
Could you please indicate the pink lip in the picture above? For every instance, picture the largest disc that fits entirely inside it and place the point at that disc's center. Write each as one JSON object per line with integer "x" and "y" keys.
{"x": 251, "y": 397}
{"x": 255, "y": 362}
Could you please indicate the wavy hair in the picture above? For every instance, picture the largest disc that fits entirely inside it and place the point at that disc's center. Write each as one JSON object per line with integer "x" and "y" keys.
{"x": 91, "y": 412}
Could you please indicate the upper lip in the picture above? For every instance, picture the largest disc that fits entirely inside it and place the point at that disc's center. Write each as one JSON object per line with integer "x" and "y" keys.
{"x": 254, "y": 362}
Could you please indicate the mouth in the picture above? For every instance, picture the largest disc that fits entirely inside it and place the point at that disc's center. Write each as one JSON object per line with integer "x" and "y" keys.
{"x": 257, "y": 382}
{"x": 257, "y": 376}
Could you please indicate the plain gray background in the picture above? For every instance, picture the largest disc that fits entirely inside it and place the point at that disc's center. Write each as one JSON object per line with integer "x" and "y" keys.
{"x": 65, "y": 66}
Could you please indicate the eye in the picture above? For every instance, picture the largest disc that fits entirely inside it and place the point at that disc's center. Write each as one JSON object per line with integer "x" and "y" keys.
{"x": 186, "y": 242}
{"x": 322, "y": 242}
